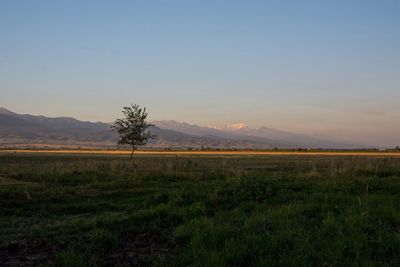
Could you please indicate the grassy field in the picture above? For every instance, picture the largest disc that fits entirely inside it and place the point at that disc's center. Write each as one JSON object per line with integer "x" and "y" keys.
{"x": 218, "y": 153}
{"x": 199, "y": 210}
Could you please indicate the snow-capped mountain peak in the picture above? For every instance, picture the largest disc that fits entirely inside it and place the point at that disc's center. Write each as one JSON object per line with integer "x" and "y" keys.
{"x": 235, "y": 126}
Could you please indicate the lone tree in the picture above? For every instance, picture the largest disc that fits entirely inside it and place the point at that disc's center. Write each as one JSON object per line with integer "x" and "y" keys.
{"x": 132, "y": 129}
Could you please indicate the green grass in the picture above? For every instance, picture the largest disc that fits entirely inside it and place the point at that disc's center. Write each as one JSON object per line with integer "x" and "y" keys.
{"x": 198, "y": 211}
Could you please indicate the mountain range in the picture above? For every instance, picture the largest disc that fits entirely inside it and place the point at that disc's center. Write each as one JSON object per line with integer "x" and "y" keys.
{"x": 24, "y": 130}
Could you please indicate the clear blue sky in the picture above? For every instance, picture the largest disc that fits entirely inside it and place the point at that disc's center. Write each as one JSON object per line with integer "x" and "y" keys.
{"x": 319, "y": 67}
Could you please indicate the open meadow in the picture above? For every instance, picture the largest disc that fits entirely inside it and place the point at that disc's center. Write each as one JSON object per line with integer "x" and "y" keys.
{"x": 199, "y": 209}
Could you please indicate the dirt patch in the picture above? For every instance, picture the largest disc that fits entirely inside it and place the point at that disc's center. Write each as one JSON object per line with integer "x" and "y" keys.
{"x": 25, "y": 253}
{"x": 139, "y": 250}
{"x": 7, "y": 181}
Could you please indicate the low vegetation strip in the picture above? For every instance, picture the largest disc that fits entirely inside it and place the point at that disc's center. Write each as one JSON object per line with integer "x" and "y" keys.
{"x": 200, "y": 152}
{"x": 292, "y": 210}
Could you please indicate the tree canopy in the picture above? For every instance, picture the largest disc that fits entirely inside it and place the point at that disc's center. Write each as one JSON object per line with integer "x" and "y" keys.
{"x": 132, "y": 129}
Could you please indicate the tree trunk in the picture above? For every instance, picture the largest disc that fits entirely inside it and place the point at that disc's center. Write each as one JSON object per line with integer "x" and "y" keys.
{"x": 133, "y": 162}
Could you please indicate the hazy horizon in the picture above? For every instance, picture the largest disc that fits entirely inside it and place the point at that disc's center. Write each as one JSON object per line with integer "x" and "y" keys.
{"x": 313, "y": 67}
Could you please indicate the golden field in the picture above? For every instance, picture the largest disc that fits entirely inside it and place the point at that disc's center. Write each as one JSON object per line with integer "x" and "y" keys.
{"x": 198, "y": 152}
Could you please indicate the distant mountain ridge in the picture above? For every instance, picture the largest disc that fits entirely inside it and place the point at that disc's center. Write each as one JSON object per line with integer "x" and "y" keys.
{"x": 23, "y": 128}
{"x": 28, "y": 130}
{"x": 279, "y": 135}
{"x": 282, "y": 139}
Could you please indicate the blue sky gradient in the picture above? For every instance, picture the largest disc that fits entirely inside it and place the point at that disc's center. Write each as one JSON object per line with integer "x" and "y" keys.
{"x": 329, "y": 68}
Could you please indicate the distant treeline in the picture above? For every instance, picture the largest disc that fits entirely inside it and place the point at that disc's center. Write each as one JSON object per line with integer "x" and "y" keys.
{"x": 203, "y": 148}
